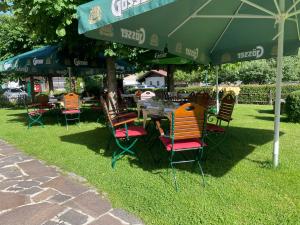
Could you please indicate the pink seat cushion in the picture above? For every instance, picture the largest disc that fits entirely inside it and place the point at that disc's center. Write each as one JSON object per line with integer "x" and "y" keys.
{"x": 133, "y": 131}
{"x": 182, "y": 144}
{"x": 71, "y": 111}
{"x": 37, "y": 112}
{"x": 214, "y": 128}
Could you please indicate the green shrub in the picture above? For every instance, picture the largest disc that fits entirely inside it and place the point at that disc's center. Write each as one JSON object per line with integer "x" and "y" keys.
{"x": 293, "y": 106}
{"x": 254, "y": 93}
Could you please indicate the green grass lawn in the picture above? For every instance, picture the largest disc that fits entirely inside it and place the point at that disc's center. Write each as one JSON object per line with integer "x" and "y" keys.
{"x": 242, "y": 187}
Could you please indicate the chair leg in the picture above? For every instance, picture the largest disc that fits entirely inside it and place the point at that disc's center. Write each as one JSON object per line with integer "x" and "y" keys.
{"x": 173, "y": 170}
{"x": 66, "y": 118}
{"x": 124, "y": 150}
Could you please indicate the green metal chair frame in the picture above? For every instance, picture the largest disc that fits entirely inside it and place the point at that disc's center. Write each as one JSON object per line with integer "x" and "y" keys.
{"x": 34, "y": 115}
{"x": 186, "y": 134}
{"x": 125, "y": 137}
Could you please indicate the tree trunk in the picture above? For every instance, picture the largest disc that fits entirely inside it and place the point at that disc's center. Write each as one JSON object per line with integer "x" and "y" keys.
{"x": 111, "y": 83}
{"x": 50, "y": 83}
{"x": 170, "y": 78}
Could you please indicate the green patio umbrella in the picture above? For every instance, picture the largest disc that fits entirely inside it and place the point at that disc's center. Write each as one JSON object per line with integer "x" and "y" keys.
{"x": 58, "y": 61}
{"x": 206, "y": 31}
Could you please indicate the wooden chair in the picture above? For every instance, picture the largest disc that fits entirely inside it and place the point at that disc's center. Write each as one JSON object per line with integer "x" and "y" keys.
{"x": 117, "y": 110}
{"x": 43, "y": 101}
{"x": 71, "y": 109}
{"x": 203, "y": 99}
{"x": 224, "y": 115}
{"x": 186, "y": 134}
{"x": 125, "y": 134}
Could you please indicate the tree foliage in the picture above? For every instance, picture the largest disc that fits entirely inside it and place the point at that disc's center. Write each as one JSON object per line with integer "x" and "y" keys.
{"x": 251, "y": 72}
{"x": 13, "y": 37}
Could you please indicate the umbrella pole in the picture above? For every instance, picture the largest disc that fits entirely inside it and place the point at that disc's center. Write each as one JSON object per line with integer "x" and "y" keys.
{"x": 217, "y": 89}
{"x": 278, "y": 86}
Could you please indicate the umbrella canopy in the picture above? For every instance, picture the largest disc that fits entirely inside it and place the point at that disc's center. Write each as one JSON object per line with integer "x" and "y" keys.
{"x": 54, "y": 60}
{"x": 206, "y": 31}
{"x": 163, "y": 58}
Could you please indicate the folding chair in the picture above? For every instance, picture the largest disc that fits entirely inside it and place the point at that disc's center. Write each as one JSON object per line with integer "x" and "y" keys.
{"x": 71, "y": 109}
{"x": 117, "y": 109}
{"x": 125, "y": 135}
{"x": 34, "y": 115}
{"x": 186, "y": 134}
{"x": 43, "y": 101}
{"x": 224, "y": 115}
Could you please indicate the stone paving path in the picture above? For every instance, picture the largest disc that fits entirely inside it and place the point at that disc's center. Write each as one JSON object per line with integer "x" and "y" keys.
{"x": 32, "y": 193}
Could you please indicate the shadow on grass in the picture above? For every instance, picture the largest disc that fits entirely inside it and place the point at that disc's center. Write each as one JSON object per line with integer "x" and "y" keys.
{"x": 54, "y": 117}
{"x": 238, "y": 144}
{"x": 266, "y": 111}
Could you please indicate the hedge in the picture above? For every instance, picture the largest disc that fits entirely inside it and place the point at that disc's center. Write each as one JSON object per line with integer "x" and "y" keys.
{"x": 252, "y": 94}
{"x": 293, "y": 106}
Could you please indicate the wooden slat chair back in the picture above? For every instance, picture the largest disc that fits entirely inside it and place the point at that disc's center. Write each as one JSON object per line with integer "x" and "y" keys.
{"x": 188, "y": 121}
{"x": 226, "y": 108}
{"x": 71, "y": 108}
{"x": 42, "y": 99}
{"x": 116, "y": 110}
{"x": 202, "y": 99}
{"x": 192, "y": 97}
{"x": 122, "y": 131}
{"x": 71, "y": 101}
{"x": 147, "y": 95}
{"x": 106, "y": 112}
{"x": 225, "y": 114}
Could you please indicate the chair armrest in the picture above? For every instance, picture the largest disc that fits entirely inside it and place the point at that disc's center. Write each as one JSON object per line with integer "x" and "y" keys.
{"x": 124, "y": 115}
{"x": 158, "y": 127}
{"x": 125, "y": 121}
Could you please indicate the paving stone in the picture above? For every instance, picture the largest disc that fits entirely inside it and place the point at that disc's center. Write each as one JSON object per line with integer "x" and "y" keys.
{"x": 106, "y": 220}
{"x": 36, "y": 169}
{"x": 90, "y": 203}
{"x": 11, "y": 172}
{"x": 11, "y": 200}
{"x": 73, "y": 217}
{"x": 59, "y": 198}
{"x": 28, "y": 184}
{"x": 43, "y": 179}
{"x": 7, "y": 183}
{"x": 52, "y": 223}
{"x": 14, "y": 189}
{"x": 31, "y": 214}
{"x": 44, "y": 195}
{"x": 66, "y": 186}
{"x": 10, "y": 160}
{"x": 31, "y": 191}
{"x": 125, "y": 216}
{"x": 8, "y": 150}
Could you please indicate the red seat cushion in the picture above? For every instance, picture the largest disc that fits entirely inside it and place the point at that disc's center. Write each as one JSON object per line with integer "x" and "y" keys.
{"x": 182, "y": 144}
{"x": 214, "y": 128}
{"x": 71, "y": 111}
{"x": 46, "y": 106}
{"x": 133, "y": 131}
{"x": 37, "y": 112}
